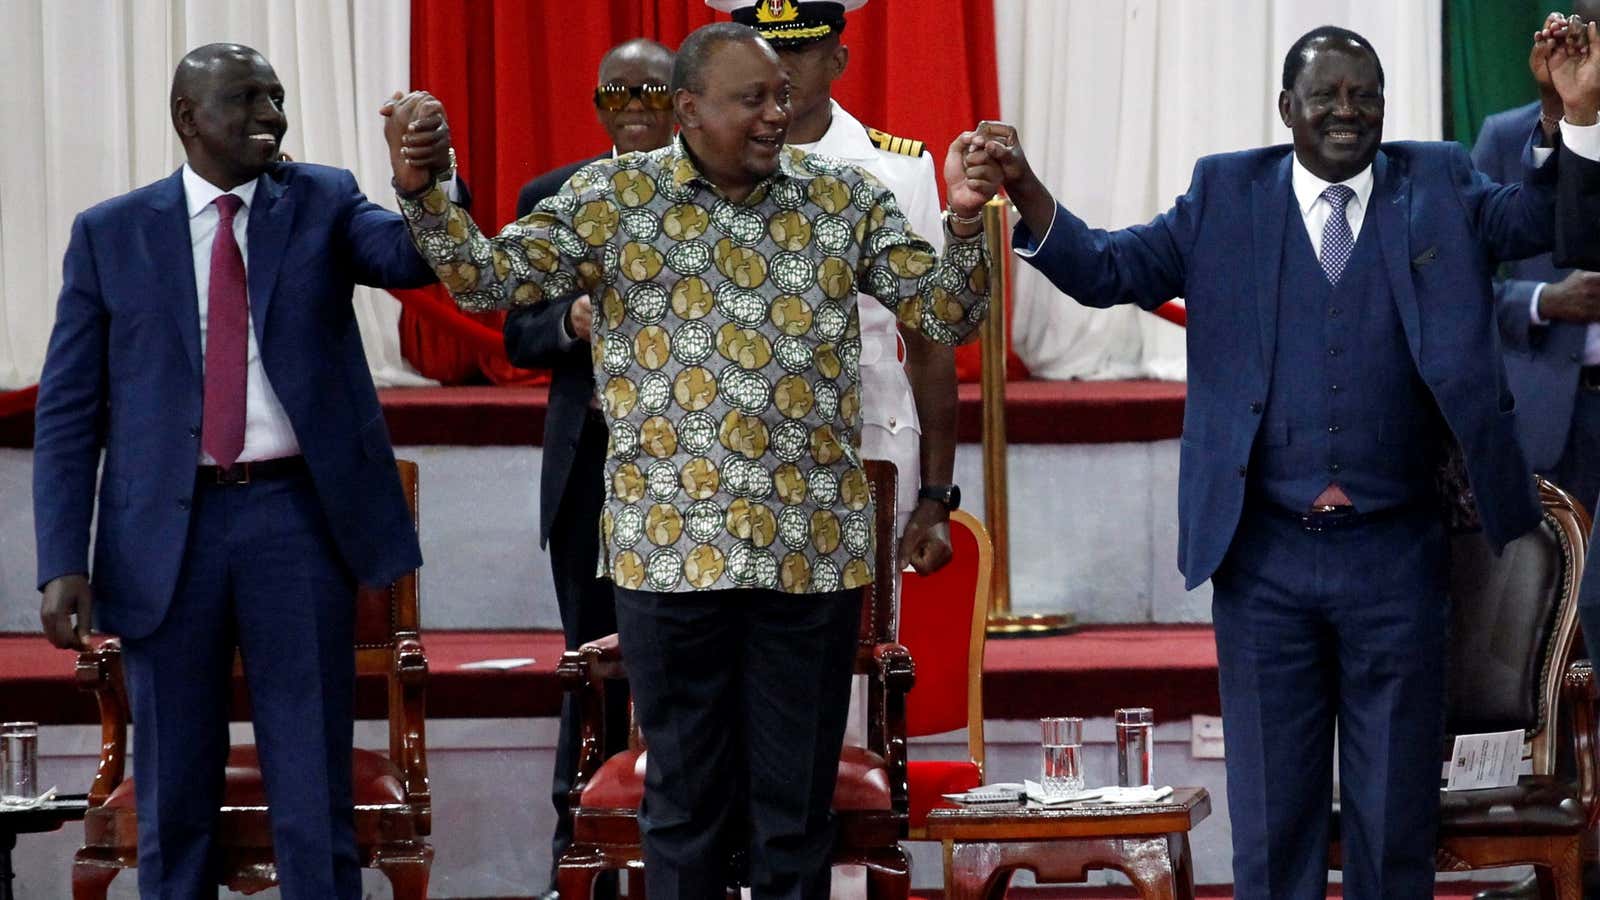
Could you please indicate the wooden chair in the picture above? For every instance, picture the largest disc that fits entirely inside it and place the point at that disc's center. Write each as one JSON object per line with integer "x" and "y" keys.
{"x": 393, "y": 805}
{"x": 870, "y": 798}
{"x": 1514, "y": 621}
{"x": 949, "y": 691}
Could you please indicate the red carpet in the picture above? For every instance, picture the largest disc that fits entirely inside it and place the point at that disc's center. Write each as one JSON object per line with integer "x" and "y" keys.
{"x": 1037, "y": 412}
{"x": 1172, "y": 668}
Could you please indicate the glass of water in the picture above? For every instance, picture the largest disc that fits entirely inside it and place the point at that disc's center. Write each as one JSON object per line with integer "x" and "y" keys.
{"x": 1062, "y": 742}
{"x": 19, "y": 762}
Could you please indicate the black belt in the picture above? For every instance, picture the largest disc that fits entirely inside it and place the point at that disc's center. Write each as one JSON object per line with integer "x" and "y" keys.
{"x": 1336, "y": 518}
{"x": 1589, "y": 378}
{"x": 258, "y": 470}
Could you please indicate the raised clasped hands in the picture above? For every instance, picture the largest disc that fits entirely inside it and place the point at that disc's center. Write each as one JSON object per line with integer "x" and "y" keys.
{"x": 1568, "y": 45}
{"x": 418, "y": 136}
{"x": 971, "y": 174}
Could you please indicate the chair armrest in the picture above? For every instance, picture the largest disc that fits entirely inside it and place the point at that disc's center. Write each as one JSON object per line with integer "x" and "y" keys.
{"x": 99, "y": 670}
{"x": 583, "y": 673}
{"x": 887, "y": 732}
{"x": 1580, "y": 693}
{"x": 408, "y": 730}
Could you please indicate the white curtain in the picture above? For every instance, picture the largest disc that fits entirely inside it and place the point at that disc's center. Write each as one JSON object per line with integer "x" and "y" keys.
{"x": 1116, "y": 99}
{"x": 85, "y": 102}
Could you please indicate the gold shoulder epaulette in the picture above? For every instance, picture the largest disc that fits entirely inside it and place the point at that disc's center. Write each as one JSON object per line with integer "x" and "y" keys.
{"x": 891, "y": 144}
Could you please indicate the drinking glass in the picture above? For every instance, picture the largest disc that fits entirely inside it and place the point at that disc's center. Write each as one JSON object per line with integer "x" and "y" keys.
{"x": 1062, "y": 743}
{"x": 19, "y": 762}
{"x": 1135, "y": 742}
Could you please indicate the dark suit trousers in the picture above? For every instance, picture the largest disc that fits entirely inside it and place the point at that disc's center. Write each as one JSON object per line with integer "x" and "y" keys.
{"x": 588, "y": 611}
{"x": 742, "y": 697}
{"x": 1578, "y": 473}
{"x": 260, "y": 572}
{"x": 1317, "y": 628}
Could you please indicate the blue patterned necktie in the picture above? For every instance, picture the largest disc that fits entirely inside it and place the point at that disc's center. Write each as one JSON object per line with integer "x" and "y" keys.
{"x": 1337, "y": 241}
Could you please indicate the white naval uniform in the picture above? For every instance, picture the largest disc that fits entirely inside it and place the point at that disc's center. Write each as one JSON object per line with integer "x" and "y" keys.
{"x": 889, "y": 426}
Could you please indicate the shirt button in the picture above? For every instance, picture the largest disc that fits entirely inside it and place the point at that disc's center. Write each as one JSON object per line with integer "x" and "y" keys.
{"x": 891, "y": 421}
{"x": 1333, "y": 351}
{"x": 1242, "y": 471}
{"x": 1333, "y": 429}
{"x": 1334, "y": 388}
{"x": 1255, "y": 407}
{"x": 1335, "y": 312}
{"x": 183, "y": 503}
{"x": 1333, "y": 467}
{"x": 194, "y": 432}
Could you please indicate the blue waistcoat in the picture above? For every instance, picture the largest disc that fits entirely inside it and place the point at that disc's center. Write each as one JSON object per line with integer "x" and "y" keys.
{"x": 1346, "y": 404}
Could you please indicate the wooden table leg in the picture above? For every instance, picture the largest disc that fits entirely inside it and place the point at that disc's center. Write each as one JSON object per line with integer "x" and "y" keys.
{"x": 7, "y": 842}
{"x": 1160, "y": 868}
{"x": 976, "y": 871}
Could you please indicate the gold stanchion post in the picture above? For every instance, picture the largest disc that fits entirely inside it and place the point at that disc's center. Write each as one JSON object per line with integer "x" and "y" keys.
{"x": 992, "y": 336}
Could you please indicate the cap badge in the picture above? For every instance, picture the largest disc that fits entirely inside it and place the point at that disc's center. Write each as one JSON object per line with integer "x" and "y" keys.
{"x": 770, "y": 11}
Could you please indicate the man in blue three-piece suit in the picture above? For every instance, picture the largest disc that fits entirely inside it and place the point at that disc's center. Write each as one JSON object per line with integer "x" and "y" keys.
{"x": 1341, "y": 328}
{"x": 205, "y": 344}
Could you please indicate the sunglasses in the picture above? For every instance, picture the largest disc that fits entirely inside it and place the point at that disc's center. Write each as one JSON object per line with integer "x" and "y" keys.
{"x": 614, "y": 96}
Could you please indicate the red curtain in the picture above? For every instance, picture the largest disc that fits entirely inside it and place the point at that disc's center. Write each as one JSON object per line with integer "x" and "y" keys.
{"x": 516, "y": 76}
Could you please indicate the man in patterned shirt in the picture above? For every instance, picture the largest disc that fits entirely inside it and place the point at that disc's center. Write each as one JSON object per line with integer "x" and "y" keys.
{"x": 738, "y": 527}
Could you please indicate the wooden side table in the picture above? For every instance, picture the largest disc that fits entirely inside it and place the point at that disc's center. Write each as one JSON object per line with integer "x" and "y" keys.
{"x": 1149, "y": 843}
{"x": 46, "y": 817}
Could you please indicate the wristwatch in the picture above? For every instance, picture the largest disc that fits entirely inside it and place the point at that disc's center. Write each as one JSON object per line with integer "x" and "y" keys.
{"x": 948, "y": 494}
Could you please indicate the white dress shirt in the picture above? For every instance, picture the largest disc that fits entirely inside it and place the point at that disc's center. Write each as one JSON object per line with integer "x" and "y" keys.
{"x": 1315, "y": 209}
{"x": 267, "y": 432}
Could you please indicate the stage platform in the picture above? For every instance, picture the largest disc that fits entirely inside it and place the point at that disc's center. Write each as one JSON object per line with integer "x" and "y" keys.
{"x": 1171, "y": 668}
{"x": 1037, "y": 412}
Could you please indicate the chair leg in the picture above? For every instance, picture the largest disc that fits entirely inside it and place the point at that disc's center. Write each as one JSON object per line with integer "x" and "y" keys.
{"x": 408, "y": 874}
{"x": 888, "y": 875}
{"x": 1564, "y": 879}
{"x": 91, "y": 878}
{"x": 576, "y": 874}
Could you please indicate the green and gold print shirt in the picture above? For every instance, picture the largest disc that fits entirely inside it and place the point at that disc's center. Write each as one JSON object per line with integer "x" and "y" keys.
{"x": 725, "y": 344}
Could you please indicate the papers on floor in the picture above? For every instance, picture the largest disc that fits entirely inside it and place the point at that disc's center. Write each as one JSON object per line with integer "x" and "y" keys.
{"x": 1484, "y": 761}
{"x": 500, "y": 665}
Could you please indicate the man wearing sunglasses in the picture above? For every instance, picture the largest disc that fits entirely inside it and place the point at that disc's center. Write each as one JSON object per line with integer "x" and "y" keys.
{"x": 634, "y": 105}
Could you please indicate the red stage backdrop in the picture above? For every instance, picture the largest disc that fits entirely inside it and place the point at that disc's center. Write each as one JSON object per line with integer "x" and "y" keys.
{"x": 516, "y": 77}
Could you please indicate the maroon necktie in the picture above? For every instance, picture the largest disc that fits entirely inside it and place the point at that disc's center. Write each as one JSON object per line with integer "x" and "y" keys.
{"x": 227, "y": 331}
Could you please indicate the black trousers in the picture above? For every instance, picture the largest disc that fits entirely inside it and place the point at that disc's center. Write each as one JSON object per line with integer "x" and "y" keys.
{"x": 742, "y": 697}
{"x": 588, "y": 611}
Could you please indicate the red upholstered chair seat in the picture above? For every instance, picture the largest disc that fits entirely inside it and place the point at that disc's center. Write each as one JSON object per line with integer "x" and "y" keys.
{"x": 863, "y": 782}
{"x": 380, "y": 801}
{"x": 929, "y": 778}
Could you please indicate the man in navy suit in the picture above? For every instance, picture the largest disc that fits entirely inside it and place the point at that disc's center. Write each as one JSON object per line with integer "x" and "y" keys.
{"x": 206, "y": 348}
{"x": 635, "y": 108}
{"x": 1341, "y": 329}
{"x": 1550, "y": 330}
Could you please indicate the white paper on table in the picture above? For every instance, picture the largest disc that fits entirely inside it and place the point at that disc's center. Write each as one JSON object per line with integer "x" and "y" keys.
{"x": 499, "y": 664}
{"x": 10, "y": 802}
{"x": 1484, "y": 761}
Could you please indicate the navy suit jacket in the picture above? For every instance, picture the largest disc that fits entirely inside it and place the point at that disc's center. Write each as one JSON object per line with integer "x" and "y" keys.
{"x": 532, "y": 336}
{"x": 1541, "y": 363}
{"x": 122, "y": 377}
{"x": 1442, "y": 228}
